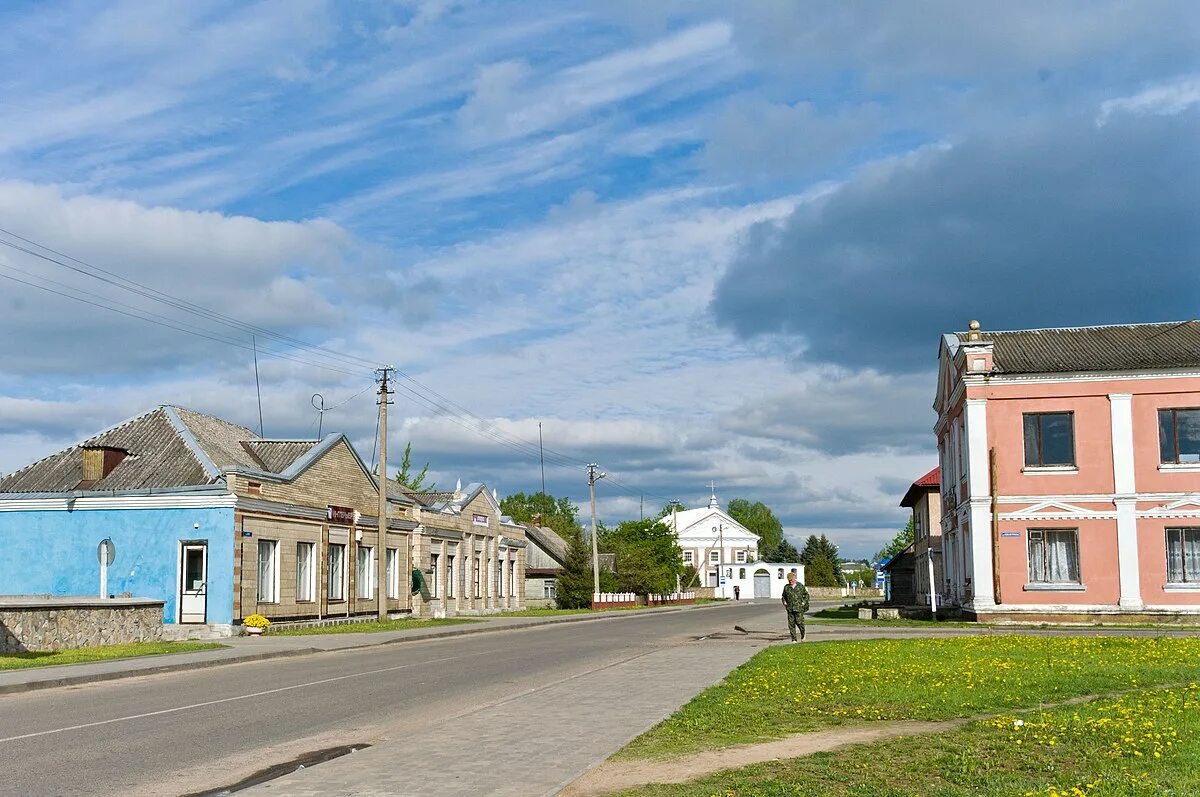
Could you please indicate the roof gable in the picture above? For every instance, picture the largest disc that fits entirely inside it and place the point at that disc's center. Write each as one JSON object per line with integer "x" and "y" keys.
{"x": 699, "y": 522}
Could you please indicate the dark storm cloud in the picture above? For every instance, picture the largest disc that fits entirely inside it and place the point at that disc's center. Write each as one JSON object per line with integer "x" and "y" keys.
{"x": 1063, "y": 222}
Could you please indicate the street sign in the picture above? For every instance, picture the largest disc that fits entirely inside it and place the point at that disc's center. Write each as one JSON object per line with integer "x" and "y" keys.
{"x": 106, "y": 546}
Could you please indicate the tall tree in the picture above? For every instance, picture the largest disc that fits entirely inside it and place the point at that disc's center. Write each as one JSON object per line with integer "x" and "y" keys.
{"x": 648, "y": 558}
{"x": 573, "y": 587}
{"x": 406, "y": 478}
{"x": 758, "y": 518}
{"x": 555, "y": 513}
{"x": 819, "y": 556}
{"x": 820, "y": 572}
{"x": 902, "y": 540}
{"x": 783, "y": 552}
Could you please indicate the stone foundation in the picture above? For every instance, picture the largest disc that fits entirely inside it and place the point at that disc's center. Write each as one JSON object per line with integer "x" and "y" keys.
{"x": 62, "y": 623}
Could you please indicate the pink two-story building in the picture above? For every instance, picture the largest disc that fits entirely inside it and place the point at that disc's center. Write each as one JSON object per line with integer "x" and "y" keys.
{"x": 1070, "y": 472}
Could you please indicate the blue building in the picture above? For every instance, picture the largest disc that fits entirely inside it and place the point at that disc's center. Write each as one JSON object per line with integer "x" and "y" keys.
{"x": 173, "y": 490}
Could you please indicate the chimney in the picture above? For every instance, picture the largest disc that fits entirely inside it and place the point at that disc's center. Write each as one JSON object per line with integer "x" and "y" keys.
{"x": 99, "y": 461}
{"x": 973, "y": 332}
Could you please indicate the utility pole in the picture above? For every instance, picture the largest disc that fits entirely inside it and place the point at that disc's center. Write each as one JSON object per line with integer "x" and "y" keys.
{"x": 381, "y": 543}
{"x": 541, "y": 458}
{"x": 595, "y": 475}
{"x": 675, "y": 527}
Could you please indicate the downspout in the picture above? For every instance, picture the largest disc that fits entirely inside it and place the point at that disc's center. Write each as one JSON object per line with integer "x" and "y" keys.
{"x": 995, "y": 524}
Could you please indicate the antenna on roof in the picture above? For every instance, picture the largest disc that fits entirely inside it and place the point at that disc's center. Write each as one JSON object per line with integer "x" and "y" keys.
{"x": 257, "y": 386}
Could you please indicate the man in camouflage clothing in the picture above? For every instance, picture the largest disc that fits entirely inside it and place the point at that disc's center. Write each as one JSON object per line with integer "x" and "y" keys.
{"x": 795, "y": 601}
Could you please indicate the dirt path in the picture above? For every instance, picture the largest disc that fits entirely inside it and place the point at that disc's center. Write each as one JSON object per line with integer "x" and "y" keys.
{"x": 613, "y": 776}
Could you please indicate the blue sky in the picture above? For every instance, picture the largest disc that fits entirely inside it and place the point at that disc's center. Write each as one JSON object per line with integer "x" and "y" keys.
{"x": 696, "y": 240}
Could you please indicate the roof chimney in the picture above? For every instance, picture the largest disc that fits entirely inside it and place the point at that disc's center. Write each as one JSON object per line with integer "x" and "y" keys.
{"x": 973, "y": 332}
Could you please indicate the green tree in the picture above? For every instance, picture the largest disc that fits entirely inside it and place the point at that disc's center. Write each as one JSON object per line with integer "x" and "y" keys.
{"x": 820, "y": 572}
{"x": 573, "y": 588}
{"x": 758, "y": 518}
{"x": 783, "y": 552}
{"x": 902, "y": 540}
{"x": 406, "y": 478}
{"x": 648, "y": 558}
{"x": 555, "y": 513}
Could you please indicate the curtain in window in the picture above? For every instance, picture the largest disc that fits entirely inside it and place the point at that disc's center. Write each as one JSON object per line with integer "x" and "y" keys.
{"x": 393, "y": 582}
{"x": 304, "y": 571}
{"x": 1183, "y": 556}
{"x": 337, "y": 571}
{"x": 266, "y": 571}
{"x": 364, "y": 572}
{"x": 1054, "y": 556}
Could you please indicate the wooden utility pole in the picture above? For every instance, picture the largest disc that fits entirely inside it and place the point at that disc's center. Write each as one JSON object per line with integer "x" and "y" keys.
{"x": 595, "y": 475}
{"x": 381, "y": 544}
{"x": 995, "y": 525}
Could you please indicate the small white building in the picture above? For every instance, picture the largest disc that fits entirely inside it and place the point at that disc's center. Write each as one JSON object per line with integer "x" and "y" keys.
{"x": 759, "y": 579}
{"x": 710, "y": 539}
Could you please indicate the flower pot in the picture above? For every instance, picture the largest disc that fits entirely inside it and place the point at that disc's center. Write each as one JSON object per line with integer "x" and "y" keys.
{"x": 253, "y": 630}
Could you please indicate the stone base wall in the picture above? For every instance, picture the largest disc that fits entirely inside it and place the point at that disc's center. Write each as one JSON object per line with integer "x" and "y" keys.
{"x": 63, "y": 623}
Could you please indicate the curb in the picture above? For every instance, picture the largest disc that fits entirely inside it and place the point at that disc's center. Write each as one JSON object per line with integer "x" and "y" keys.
{"x": 202, "y": 664}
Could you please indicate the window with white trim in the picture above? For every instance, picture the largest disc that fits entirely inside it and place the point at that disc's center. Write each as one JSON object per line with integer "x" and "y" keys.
{"x": 688, "y": 557}
{"x": 714, "y": 557}
{"x": 476, "y": 569}
{"x": 1049, "y": 439}
{"x": 1054, "y": 556}
{"x": 1183, "y": 556}
{"x": 393, "y": 572}
{"x": 268, "y": 571}
{"x": 434, "y": 561}
{"x": 739, "y": 557}
{"x": 548, "y": 589}
{"x": 450, "y": 575}
{"x": 306, "y": 572}
{"x": 1179, "y": 436}
{"x": 337, "y": 571}
{"x": 364, "y": 574}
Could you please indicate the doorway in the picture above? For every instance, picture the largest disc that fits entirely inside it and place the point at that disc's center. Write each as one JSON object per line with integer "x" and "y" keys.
{"x": 193, "y": 582}
{"x": 762, "y": 584}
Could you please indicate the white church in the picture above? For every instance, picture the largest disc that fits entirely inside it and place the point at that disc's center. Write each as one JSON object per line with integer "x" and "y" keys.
{"x": 725, "y": 554}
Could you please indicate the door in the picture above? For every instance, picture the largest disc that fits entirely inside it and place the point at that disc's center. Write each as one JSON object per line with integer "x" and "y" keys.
{"x": 762, "y": 584}
{"x": 193, "y": 585}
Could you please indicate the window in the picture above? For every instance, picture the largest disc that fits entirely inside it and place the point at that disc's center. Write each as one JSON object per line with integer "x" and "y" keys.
{"x": 741, "y": 572}
{"x": 1179, "y": 436}
{"x": 687, "y": 557}
{"x": 306, "y": 572}
{"x": 254, "y": 488}
{"x": 268, "y": 571}
{"x": 393, "y": 572}
{"x": 780, "y": 573}
{"x": 739, "y": 557}
{"x": 337, "y": 571}
{"x": 449, "y": 576}
{"x": 1049, "y": 439}
{"x": 548, "y": 590}
{"x": 1053, "y": 556}
{"x": 475, "y": 570}
{"x": 364, "y": 573}
{"x": 512, "y": 578}
{"x": 714, "y": 557}
{"x": 500, "y": 578}
{"x": 1183, "y": 556}
{"x": 434, "y": 560}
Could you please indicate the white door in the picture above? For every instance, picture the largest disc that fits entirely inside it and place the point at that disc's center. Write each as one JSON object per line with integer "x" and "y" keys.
{"x": 193, "y": 584}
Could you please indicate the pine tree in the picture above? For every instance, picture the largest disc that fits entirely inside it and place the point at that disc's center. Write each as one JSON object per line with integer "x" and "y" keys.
{"x": 573, "y": 589}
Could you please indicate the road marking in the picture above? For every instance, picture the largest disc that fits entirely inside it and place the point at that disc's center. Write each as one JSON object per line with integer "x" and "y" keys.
{"x": 218, "y": 701}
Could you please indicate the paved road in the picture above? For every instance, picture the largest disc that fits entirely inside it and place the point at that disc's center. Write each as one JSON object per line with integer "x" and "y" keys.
{"x": 454, "y": 704}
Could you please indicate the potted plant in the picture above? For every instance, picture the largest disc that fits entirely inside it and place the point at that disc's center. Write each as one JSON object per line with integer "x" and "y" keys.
{"x": 255, "y": 624}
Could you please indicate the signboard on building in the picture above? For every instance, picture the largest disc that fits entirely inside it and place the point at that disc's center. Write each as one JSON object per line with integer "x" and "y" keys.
{"x": 1010, "y": 534}
{"x": 342, "y": 515}
{"x": 479, "y": 520}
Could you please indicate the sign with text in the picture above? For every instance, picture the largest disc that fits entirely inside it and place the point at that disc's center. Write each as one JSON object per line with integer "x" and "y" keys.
{"x": 342, "y": 515}
{"x": 479, "y": 520}
{"x": 1010, "y": 534}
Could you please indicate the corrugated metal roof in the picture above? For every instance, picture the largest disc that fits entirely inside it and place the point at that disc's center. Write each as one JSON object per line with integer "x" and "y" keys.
{"x": 1088, "y": 349}
{"x": 930, "y": 481}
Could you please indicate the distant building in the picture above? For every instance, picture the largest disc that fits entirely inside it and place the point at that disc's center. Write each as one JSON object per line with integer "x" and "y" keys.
{"x": 759, "y": 579}
{"x": 1093, "y": 436}
{"x": 709, "y": 538}
{"x": 924, "y": 499}
{"x": 545, "y": 558}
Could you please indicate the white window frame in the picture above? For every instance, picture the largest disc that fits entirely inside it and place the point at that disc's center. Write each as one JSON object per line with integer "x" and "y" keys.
{"x": 714, "y": 557}
{"x": 1051, "y": 585}
{"x": 337, "y": 578}
{"x": 450, "y": 575}
{"x": 1190, "y": 579}
{"x": 393, "y": 573}
{"x": 476, "y": 581}
{"x": 365, "y": 586}
{"x": 739, "y": 557}
{"x": 549, "y": 589}
{"x": 688, "y": 557}
{"x": 272, "y": 546}
{"x": 435, "y": 564}
{"x": 306, "y": 572}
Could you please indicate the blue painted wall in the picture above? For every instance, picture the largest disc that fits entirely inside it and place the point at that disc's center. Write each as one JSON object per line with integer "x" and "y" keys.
{"x": 55, "y": 552}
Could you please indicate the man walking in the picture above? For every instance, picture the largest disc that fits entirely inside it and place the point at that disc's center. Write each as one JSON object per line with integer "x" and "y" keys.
{"x": 795, "y": 601}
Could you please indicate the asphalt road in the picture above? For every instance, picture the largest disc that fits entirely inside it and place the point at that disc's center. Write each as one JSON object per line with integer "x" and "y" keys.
{"x": 187, "y": 732}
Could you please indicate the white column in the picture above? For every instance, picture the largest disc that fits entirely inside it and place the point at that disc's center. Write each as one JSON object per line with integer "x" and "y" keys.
{"x": 978, "y": 484}
{"x": 1121, "y": 408}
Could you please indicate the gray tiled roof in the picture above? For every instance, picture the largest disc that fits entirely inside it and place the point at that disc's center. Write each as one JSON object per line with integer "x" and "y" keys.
{"x": 167, "y": 447}
{"x": 1085, "y": 349}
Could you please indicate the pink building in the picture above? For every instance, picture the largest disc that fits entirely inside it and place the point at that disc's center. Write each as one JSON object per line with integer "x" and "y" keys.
{"x": 1070, "y": 472}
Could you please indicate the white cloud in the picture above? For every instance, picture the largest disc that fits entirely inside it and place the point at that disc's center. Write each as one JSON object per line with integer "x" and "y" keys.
{"x": 1164, "y": 99}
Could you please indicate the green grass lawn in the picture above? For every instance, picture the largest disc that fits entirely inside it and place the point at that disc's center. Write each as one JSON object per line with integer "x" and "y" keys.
{"x": 794, "y": 688}
{"x": 19, "y": 661}
{"x": 369, "y": 627}
{"x": 1140, "y": 744}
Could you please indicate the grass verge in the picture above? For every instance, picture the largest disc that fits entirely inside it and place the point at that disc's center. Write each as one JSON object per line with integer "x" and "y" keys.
{"x": 20, "y": 661}
{"x": 1140, "y": 744}
{"x": 372, "y": 626}
{"x": 795, "y": 688}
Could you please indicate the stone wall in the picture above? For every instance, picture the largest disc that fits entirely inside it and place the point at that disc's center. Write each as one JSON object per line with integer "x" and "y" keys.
{"x": 61, "y": 623}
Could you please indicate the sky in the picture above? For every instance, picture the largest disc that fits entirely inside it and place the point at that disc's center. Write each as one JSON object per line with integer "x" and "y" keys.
{"x": 696, "y": 241}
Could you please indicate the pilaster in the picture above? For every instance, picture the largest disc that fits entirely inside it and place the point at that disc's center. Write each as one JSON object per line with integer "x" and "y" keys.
{"x": 979, "y": 486}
